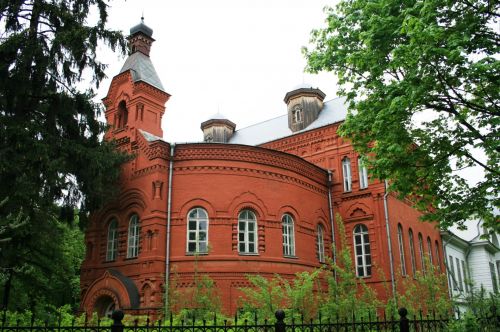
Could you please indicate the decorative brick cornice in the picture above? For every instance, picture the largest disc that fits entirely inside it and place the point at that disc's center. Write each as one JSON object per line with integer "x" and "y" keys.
{"x": 321, "y": 189}
{"x": 250, "y": 154}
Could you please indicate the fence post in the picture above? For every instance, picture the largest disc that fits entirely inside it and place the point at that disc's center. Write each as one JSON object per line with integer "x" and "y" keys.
{"x": 280, "y": 325}
{"x": 117, "y": 317}
{"x": 404, "y": 323}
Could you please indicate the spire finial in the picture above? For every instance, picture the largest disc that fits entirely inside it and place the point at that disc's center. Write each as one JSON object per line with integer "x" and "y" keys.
{"x": 142, "y": 16}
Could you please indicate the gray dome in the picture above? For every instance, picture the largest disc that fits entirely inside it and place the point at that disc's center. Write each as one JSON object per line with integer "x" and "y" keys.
{"x": 141, "y": 27}
{"x": 218, "y": 116}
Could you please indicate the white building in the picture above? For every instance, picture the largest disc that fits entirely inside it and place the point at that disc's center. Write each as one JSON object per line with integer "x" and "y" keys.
{"x": 472, "y": 261}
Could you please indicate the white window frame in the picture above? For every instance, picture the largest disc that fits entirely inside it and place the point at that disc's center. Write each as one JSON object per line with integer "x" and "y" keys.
{"x": 464, "y": 271}
{"x": 297, "y": 114}
{"x": 412, "y": 252}
{"x": 363, "y": 174}
{"x": 346, "y": 173}
{"x": 421, "y": 250}
{"x": 459, "y": 275}
{"x": 133, "y": 237}
{"x": 320, "y": 238}
{"x": 112, "y": 243}
{"x": 438, "y": 258}
{"x": 199, "y": 218}
{"x": 247, "y": 220}
{"x": 429, "y": 250}
{"x": 288, "y": 235}
{"x": 401, "y": 250}
{"x": 362, "y": 251}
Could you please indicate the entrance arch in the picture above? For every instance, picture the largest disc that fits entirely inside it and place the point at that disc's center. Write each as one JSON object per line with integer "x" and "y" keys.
{"x": 104, "y": 306}
{"x": 110, "y": 292}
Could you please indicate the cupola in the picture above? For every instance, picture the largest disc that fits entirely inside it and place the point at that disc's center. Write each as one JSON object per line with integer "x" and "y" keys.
{"x": 140, "y": 38}
{"x": 136, "y": 98}
{"x": 217, "y": 129}
{"x": 304, "y": 103}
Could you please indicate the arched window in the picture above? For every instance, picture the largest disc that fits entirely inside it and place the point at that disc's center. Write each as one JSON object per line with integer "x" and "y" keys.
{"x": 320, "y": 243}
{"x": 421, "y": 250}
{"x": 363, "y": 174}
{"x": 288, "y": 235}
{"x": 297, "y": 114}
{"x": 429, "y": 249}
{"x": 362, "y": 251}
{"x": 412, "y": 253}
{"x": 346, "y": 171}
{"x": 133, "y": 237}
{"x": 247, "y": 232}
{"x": 112, "y": 246}
{"x": 122, "y": 114}
{"x": 401, "y": 250}
{"x": 197, "y": 234}
{"x": 438, "y": 258}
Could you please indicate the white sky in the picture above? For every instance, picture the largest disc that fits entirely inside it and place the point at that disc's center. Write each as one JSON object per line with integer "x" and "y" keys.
{"x": 238, "y": 57}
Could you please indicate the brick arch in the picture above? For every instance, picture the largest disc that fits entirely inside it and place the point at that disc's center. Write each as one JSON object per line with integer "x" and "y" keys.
{"x": 133, "y": 198}
{"x": 247, "y": 200}
{"x": 321, "y": 217}
{"x": 359, "y": 211}
{"x": 290, "y": 210}
{"x": 197, "y": 202}
{"x": 122, "y": 97}
{"x": 113, "y": 284}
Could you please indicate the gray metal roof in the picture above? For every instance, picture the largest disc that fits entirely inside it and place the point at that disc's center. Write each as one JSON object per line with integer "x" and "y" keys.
{"x": 333, "y": 111}
{"x": 142, "y": 69}
{"x": 141, "y": 27}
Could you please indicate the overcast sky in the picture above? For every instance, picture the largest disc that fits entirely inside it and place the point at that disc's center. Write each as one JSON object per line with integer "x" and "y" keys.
{"x": 237, "y": 57}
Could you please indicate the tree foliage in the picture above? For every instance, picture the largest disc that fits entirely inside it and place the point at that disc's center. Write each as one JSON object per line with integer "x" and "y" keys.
{"x": 421, "y": 79}
{"x": 51, "y": 148}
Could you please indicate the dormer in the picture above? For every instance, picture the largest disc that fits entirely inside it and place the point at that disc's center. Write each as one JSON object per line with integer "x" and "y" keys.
{"x": 304, "y": 103}
{"x": 217, "y": 129}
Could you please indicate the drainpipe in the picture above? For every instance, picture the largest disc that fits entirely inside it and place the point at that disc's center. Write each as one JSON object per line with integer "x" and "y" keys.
{"x": 391, "y": 258}
{"x": 169, "y": 215}
{"x": 330, "y": 205}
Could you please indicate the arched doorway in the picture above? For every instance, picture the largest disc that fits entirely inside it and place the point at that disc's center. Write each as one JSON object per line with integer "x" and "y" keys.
{"x": 104, "y": 306}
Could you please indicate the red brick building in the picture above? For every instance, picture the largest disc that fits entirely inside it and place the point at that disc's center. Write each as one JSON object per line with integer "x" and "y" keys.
{"x": 259, "y": 200}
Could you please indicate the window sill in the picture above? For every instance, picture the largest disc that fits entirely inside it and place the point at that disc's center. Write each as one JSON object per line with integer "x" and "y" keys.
{"x": 196, "y": 253}
{"x": 248, "y": 254}
{"x": 292, "y": 257}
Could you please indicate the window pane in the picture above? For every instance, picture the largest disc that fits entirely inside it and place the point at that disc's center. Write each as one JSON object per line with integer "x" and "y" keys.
{"x": 192, "y": 247}
{"x": 203, "y": 247}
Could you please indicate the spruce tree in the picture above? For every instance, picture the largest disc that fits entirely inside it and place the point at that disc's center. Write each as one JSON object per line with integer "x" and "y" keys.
{"x": 51, "y": 150}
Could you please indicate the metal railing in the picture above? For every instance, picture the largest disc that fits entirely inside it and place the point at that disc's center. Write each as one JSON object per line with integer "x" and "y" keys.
{"x": 419, "y": 323}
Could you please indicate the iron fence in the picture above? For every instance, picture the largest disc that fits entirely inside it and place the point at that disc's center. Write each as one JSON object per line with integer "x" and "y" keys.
{"x": 403, "y": 323}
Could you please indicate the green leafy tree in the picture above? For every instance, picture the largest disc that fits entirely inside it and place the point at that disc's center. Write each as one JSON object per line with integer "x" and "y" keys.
{"x": 347, "y": 294}
{"x": 51, "y": 148}
{"x": 426, "y": 293}
{"x": 264, "y": 296}
{"x": 421, "y": 79}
